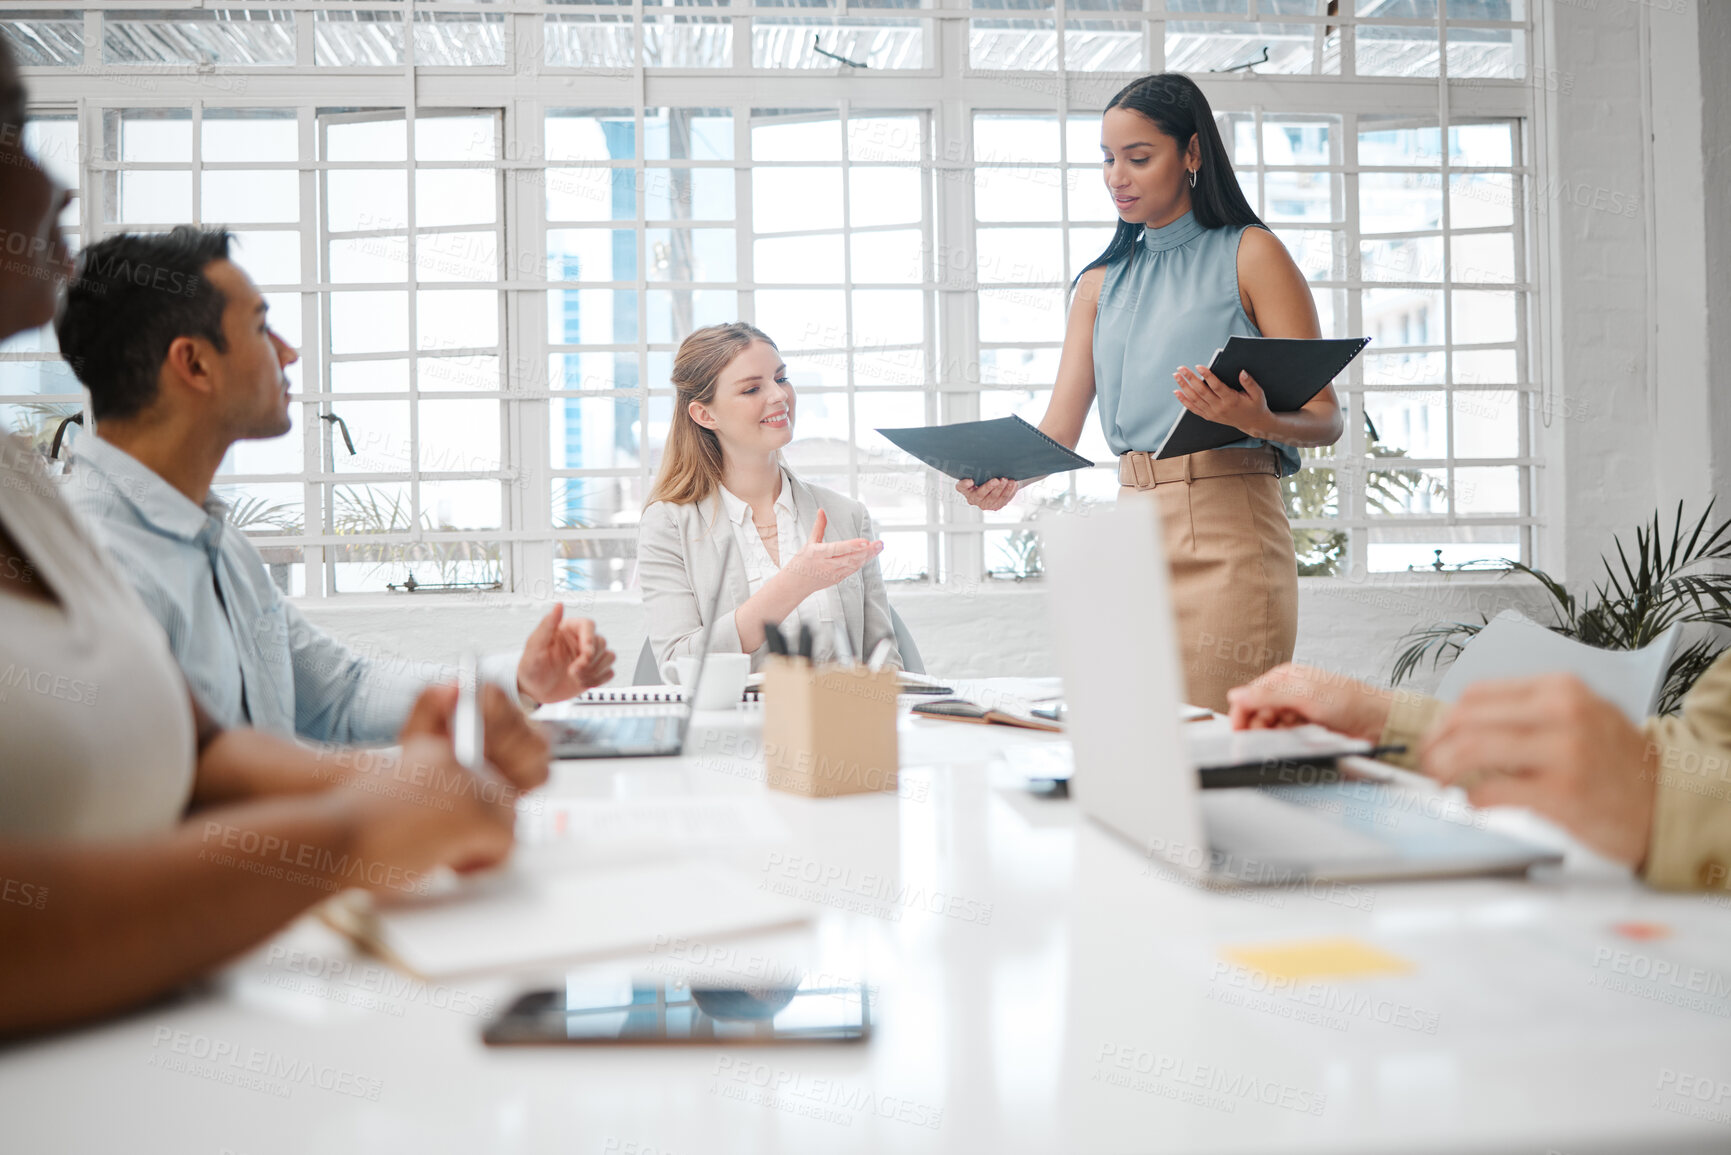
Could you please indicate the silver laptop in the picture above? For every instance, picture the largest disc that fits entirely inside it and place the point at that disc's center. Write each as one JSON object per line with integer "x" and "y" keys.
{"x": 1133, "y": 772}
{"x": 655, "y": 730}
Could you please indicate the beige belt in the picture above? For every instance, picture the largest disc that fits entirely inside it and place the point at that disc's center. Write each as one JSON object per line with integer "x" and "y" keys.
{"x": 1142, "y": 471}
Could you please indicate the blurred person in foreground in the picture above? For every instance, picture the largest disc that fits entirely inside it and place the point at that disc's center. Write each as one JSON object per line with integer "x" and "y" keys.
{"x": 141, "y": 842}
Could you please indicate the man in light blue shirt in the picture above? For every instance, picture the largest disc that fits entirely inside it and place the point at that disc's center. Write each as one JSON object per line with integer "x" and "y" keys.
{"x": 170, "y": 337}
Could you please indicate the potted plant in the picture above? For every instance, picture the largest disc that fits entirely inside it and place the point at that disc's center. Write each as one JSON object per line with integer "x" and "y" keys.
{"x": 1638, "y": 599}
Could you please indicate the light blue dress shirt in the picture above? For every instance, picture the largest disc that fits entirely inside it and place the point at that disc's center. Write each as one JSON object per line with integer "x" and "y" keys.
{"x": 248, "y": 654}
{"x": 1173, "y": 301}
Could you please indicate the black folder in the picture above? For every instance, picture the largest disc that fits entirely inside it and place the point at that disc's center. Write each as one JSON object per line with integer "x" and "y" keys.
{"x": 978, "y": 451}
{"x": 1290, "y": 371}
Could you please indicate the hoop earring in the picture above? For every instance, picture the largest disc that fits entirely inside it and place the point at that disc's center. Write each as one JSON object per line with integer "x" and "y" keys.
{"x": 1192, "y": 178}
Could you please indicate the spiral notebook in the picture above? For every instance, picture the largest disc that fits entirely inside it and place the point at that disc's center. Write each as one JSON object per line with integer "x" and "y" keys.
{"x": 1290, "y": 371}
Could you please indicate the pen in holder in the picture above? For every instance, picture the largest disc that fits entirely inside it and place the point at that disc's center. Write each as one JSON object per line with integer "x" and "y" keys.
{"x": 828, "y": 729}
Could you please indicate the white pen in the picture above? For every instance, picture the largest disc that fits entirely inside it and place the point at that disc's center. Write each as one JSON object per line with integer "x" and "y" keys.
{"x": 879, "y": 653}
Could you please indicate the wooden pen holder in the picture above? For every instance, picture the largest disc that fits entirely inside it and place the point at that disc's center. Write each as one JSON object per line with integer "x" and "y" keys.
{"x": 828, "y": 729}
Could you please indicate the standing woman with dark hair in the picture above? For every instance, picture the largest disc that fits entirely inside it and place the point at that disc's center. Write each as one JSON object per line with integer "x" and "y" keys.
{"x": 1190, "y": 266}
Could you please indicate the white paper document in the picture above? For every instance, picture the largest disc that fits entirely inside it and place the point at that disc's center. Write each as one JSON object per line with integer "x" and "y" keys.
{"x": 515, "y": 919}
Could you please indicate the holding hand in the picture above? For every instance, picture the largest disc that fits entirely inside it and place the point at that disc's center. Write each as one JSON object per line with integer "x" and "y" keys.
{"x": 821, "y": 564}
{"x": 563, "y": 658}
{"x": 1206, "y": 395}
{"x": 443, "y": 814}
{"x": 993, "y": 495}
{"x": 1552, "y": 745}
{"x": 1292, "y": 695}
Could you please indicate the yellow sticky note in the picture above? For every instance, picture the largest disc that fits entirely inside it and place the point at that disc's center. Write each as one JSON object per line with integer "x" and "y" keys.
{"x": 1319, "y": 958}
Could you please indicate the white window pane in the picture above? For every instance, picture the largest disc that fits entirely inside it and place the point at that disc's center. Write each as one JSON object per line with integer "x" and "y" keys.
{"x": 369, "y": 377}
{"x": 1021, "y": 314}
{"x": 884, "y": 138}
{"x": 464, "y": 372}
{"x": 590, "y": 134}
{"x": 369, "y": 260}
{"x": 1016, "y": 194}
{"x": 267, "y": 196}
{"x": 1015, "y": 256}
{"x": 1086, "y": 246}
{"x": 1484, "y": 367}
{"x": 1012, "y": 45}
{"x": 590, "y": 40}
{"x": 592, "y": 316}
{"x": 688, "y": 134}
{"x": 884, "y": 196}
{"x": 1484, "y": 200}
{"x": 1398, "y": 140}
{"x": 459, "y": 436}
{"x": 250, "y": 134}
{"x": 1487, "y": 423}
{"x": 457, "y": 319}
{"x": 1403, "y": 368}
{"x": 885, "y": 410}
{"x": 1483, "y": 317}
{"x": 798, "y": 260}
{"x": 451, "y": 505}
{"x": 457, "y": 257}
{"x": 1487, "y": 258}
{"x": 368, "y": 140}
{"x": 1399, "y": 317}
{"x": 888, "y": 317}
{"x": 266, "y": 455}
{"x": 285, "y": 319}
{"x": 1016, "y": 139}
{"x": 364, "y": 39}
{"x": 687, "y": 42}
{"x": 888, "y": 258}
{"x": 891, "y": 368}
{"x": 455, "y": 197}
{"x": 269, "y": 258}
{"x": 456, "y": 39}
{"x": 803, "y": 319}
{"x": 1033, "y": 367}
{"x": 773, "y": 138}
{"x": 704, "y": 194}
{"x": 592, "y": 371}
{"x": 1414, "y": 423}
{"x": 1399, "y": 202}
{"x": 1089, "y": 200}
{"x": 1488, "y": 491}
{"x": 591, "y": 194}
{"x": 369, "y": 322}
{"x": 380, "y": 431}
{"x": 1481, "y": 145}
{"x": 1298, "y": 196}
{"x": 154, "y": 197}
{"x": 591, "y": 255}
{"x": 1317, "y": 252}
{"x": 1402, "y": 259}
{"x": 693, "y": 255}
{"x": 795, "y": 199}
{"x": 361, "y": 199}
{"x": 148, "y": 135}
{"x": 471, "y": 138}
{"x": 673, "y": 314}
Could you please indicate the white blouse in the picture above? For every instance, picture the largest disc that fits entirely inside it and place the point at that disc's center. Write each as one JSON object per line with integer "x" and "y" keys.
{"x": 96, "y": 731}
{"x": 821, "y": 611}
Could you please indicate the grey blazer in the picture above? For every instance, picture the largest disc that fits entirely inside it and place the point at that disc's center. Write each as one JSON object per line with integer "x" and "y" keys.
{"x": 679, "y": 564}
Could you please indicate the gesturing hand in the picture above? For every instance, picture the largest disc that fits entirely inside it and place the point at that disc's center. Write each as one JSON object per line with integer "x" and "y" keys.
{"x": 563, "y": 658}
{"x": 992, "y": 495}
{"x": 820, "y": 564}
{"x": 1208, "y": 396}
{"x": 1552, "y": 745}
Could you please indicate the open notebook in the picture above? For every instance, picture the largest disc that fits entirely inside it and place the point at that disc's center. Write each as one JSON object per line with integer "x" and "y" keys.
{"x": 514, "y": 919}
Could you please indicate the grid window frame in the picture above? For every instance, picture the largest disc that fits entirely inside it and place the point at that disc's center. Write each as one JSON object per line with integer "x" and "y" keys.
{"x": 948, "y": 91}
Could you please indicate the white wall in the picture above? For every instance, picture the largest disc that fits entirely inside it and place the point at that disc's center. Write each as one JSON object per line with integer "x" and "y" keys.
{"x": 1634, "y": 218}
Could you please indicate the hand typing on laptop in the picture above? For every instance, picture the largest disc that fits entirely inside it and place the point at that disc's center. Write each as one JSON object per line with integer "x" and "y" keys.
{"x": 1546, "y": 743}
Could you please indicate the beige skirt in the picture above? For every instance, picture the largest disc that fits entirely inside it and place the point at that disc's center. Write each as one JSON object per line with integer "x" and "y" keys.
{"x": 1234, "y": 574}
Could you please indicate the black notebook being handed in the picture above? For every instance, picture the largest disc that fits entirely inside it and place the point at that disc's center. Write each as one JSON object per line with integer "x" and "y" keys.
{"x": 978, "y": 451}
{"x": 1290, "y": 371}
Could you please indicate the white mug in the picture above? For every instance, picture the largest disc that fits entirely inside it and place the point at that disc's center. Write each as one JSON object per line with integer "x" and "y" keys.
{"x": 723, "y": 679}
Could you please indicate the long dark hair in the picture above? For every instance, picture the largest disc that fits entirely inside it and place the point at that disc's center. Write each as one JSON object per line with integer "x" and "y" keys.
{"x": 1177, "y": 107}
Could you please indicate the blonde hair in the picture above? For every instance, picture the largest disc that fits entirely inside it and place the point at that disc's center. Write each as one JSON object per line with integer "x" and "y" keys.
{"x": 691, "y": 462}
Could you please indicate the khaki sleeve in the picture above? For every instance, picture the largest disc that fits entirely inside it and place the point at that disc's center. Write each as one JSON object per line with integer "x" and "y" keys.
{"x": 1690, "y": 753}
{"x": 1409, "y": 716}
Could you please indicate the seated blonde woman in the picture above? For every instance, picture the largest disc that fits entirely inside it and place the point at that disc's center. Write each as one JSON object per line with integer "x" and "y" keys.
{"x": 801, "y": 555}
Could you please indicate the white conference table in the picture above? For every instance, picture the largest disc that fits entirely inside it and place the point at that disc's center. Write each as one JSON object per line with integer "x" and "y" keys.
{"x": 1039, "y": 989}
